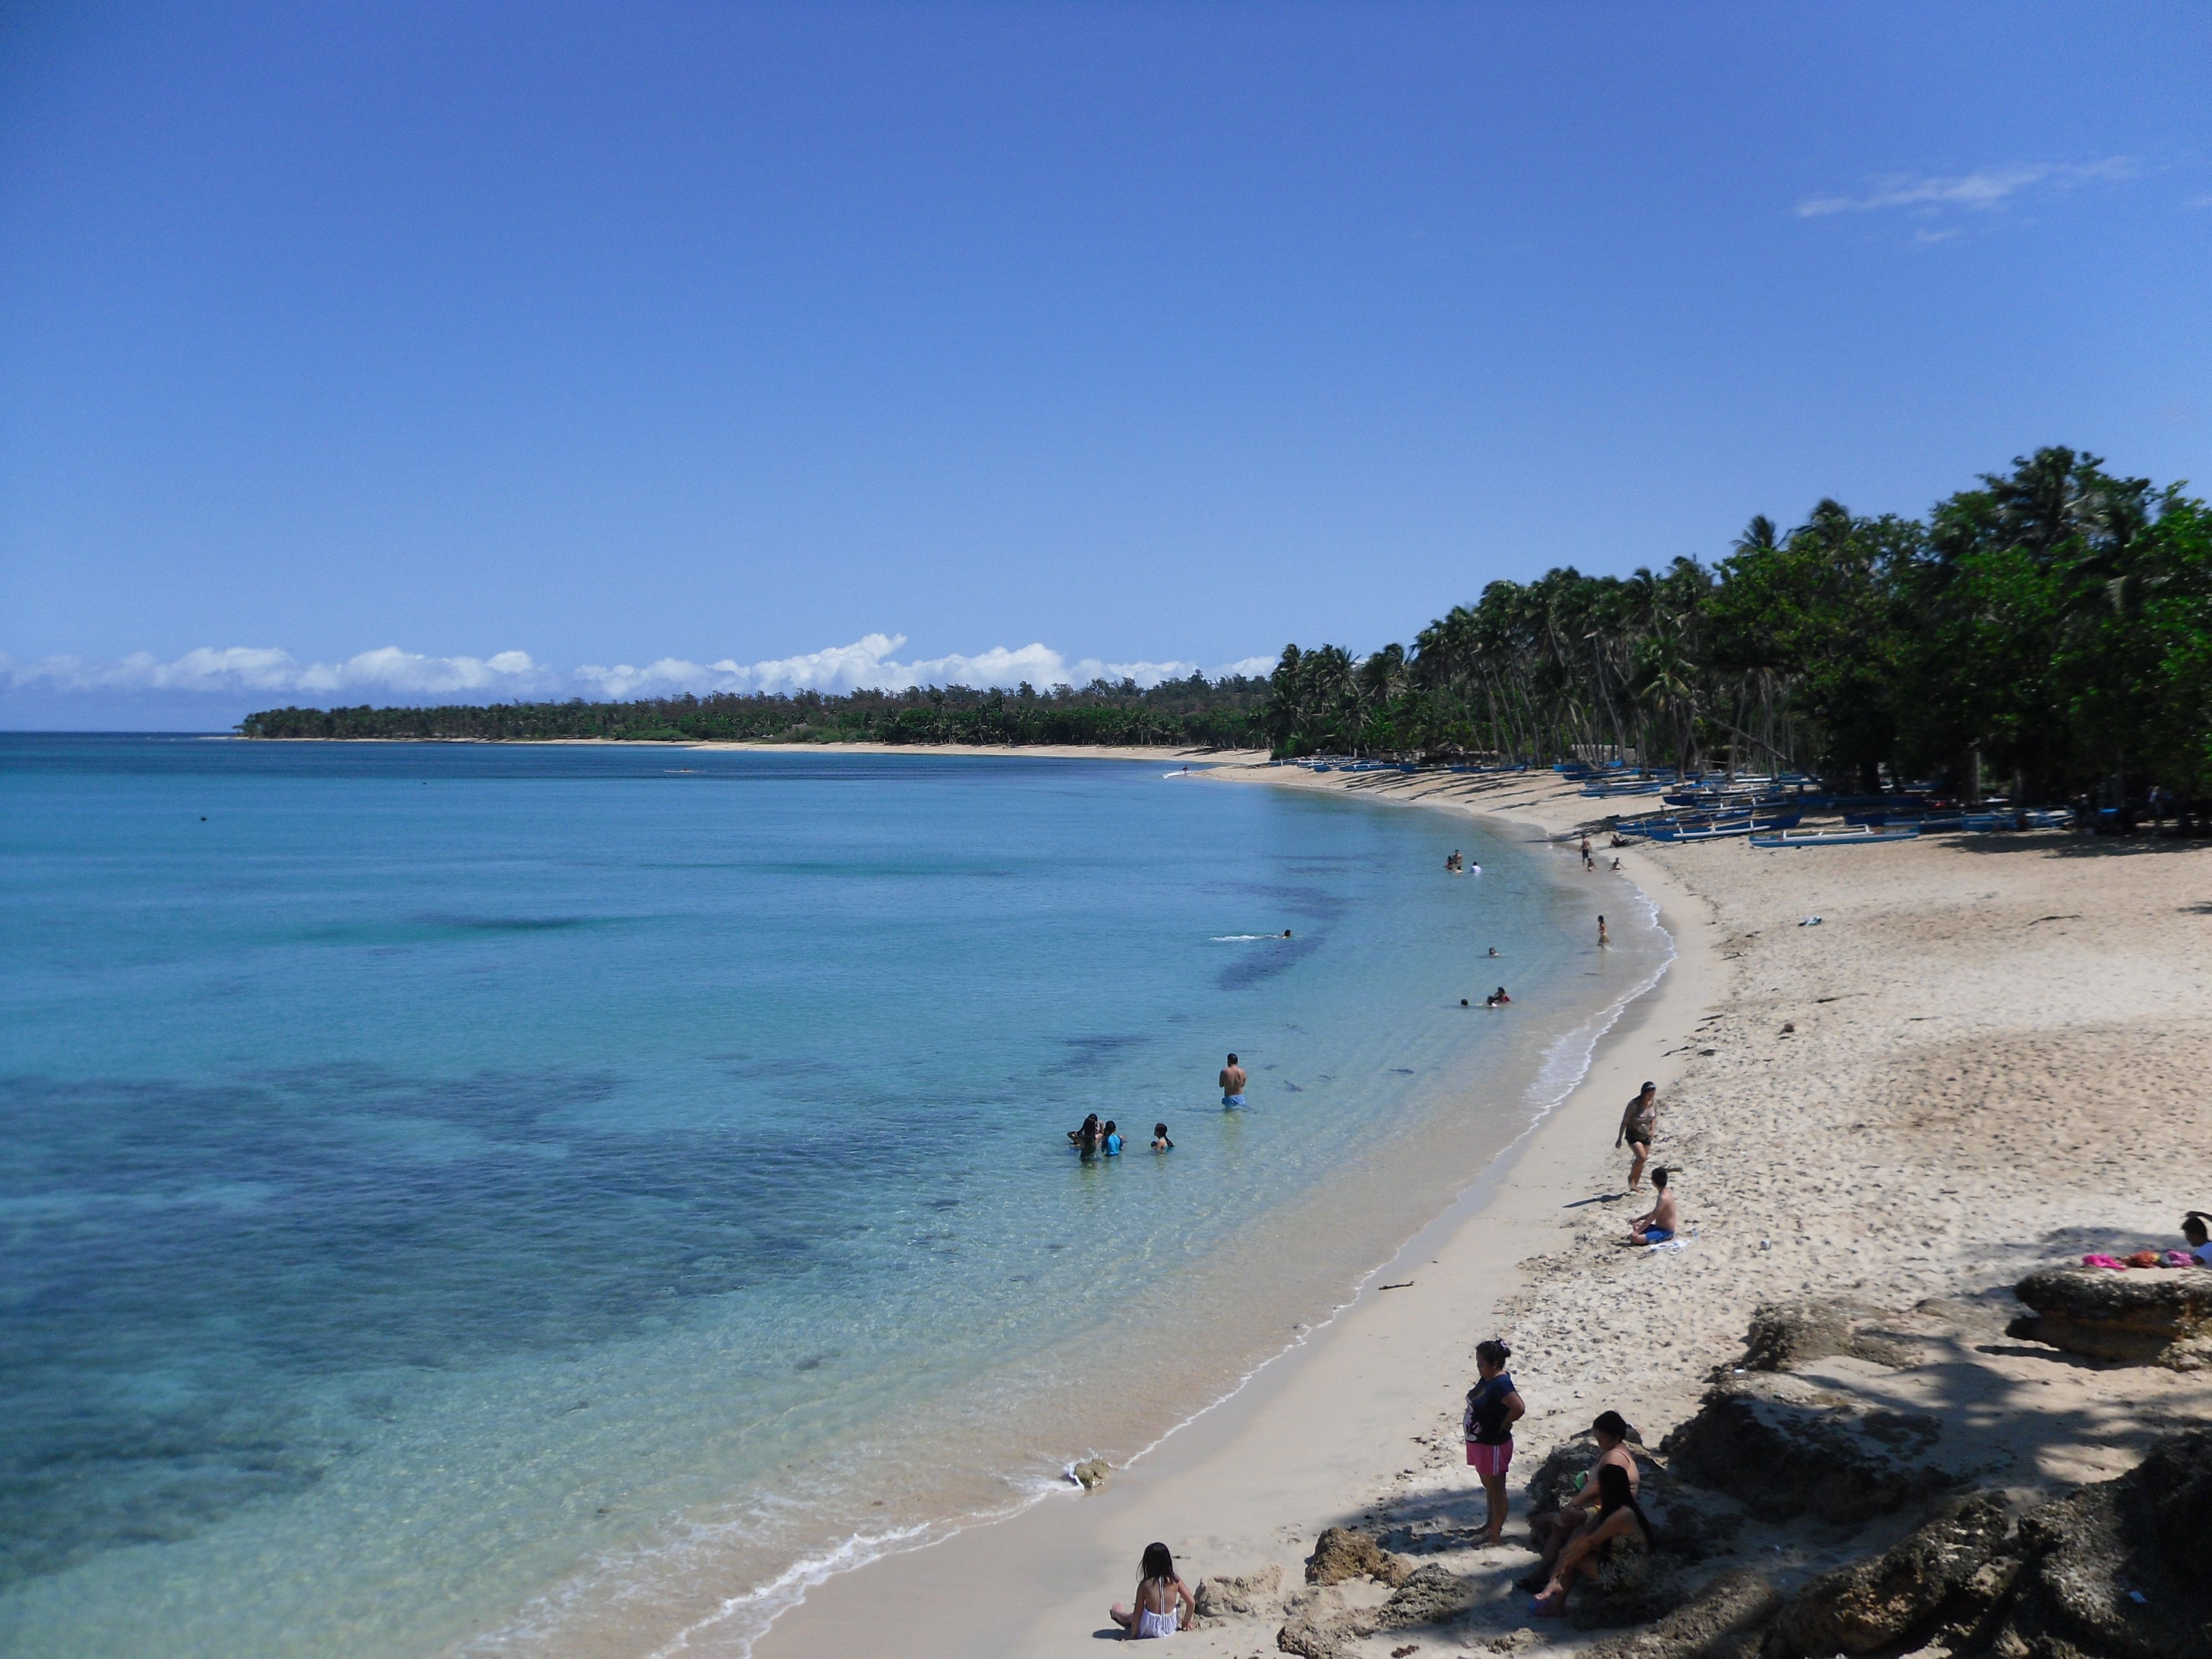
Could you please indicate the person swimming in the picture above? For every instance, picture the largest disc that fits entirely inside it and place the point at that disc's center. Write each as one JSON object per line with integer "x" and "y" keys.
{"x": 1493, "y": 949}
{"x": 1085, "y": 1140}
{"x": 1498, "y": 998}
{"x": 1160, "y": 1141}
{"x": 1112, "y": 1143}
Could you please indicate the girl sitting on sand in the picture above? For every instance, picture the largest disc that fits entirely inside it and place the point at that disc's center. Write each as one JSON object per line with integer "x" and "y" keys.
{"x": 1611, "y": 1552}
{"x": 1162, "y": 1606}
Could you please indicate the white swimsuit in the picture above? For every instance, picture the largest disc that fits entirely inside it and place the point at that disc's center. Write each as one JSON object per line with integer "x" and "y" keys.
{"x": 1158, "y": 1624}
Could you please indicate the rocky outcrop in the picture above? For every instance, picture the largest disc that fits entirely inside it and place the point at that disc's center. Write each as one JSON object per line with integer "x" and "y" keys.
{"x": 1784, "y": 1335}
{"x": 1253, "y": 1594}
{"x": 1342, "y": 1553}
{"x": 1784, "y": 1448}
{"x": 2154, "y": 1317}
{"x": 1430, "y": 1596}
{"x": 1090, "y": 1474}
{"x": 1940, "y": 1583}
{"x": 2113, "y": 1571}
{"x": 2116, "y": 1571}
{"x": 1721, "y": 1621}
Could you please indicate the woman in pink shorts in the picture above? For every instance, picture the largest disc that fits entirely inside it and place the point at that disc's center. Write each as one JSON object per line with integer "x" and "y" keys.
{"x": 1493, "y": 1405}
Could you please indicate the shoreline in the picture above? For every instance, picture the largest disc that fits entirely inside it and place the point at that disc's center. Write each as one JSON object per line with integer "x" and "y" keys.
{"x": 1896, "y": 1078}
{"x": 1304, "y": 1423}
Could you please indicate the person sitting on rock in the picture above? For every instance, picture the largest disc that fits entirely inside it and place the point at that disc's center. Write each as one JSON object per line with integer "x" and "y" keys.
{"x": 2200, "y": 1239}
{"x": 1658, "y": 1226}
{"x": 1553, "y": 1528}
{"x": 1611, "y": 1554}
{"x": 1162, "y": 1606}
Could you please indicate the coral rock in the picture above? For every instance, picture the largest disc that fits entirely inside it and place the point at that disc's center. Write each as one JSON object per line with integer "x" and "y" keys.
{"x": 1784, "y": 1448}
{"x": 2152, "y": 1318}
{"x": 1343, "y": 1552}
{"x": 1943, "y": 1573}
{"x": 1224, "y": 1596}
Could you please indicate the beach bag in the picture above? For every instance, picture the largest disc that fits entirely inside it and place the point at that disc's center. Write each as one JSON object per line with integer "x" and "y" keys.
{"x": 2145, "y": 1259}
{"x": 2104, "y": 1261}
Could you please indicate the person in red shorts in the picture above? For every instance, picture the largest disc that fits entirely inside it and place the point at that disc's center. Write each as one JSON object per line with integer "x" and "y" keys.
{"x": 1493, "y": 1405}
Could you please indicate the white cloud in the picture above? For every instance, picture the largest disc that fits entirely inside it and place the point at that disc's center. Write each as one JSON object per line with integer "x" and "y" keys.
{"x": 1983, "y": 190}
{"x": 265, "y": 669}
{"x": 391, "y": 673}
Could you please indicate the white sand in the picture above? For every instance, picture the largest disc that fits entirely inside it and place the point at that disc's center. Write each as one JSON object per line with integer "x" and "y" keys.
{"x": 1999, "y": 1059}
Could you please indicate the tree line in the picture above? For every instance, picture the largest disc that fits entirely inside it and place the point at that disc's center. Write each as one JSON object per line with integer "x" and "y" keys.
{"x": 2047, "y": 633}
{"x": 1196, "y": 711}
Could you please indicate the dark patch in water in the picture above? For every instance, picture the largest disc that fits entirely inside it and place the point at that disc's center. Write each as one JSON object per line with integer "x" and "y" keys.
{"x": 1266, "y": 958}
{"x": 183, "y": 1254}
{"x": 1092, "y": 1053}
{"x": 510, "y": 924}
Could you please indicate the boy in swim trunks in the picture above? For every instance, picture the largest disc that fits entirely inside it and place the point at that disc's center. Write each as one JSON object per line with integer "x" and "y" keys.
{"x": 1232, "y": 1083}
{"x": 1658, "y": 1226}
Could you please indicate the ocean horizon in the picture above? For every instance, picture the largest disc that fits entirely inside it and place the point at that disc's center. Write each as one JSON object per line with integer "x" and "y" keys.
{"x": 482, "y": 1198}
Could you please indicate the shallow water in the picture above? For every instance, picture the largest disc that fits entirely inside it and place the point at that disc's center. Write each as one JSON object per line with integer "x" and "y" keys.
{"x": 534, "y": 1199}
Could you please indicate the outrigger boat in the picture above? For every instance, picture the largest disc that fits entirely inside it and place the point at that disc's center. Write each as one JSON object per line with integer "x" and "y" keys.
{"x": 1724, "y": 829}
{"x": 1845, "y": 837}
{"x": 2040, "y": 817}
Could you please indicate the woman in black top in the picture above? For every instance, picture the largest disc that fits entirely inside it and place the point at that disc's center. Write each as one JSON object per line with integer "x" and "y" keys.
{"x": 1493, "y": 1405}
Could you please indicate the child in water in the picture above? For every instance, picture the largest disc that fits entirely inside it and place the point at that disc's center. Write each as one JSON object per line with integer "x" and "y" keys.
{"x": 1113, "y": 1139}
{"x": 1160, "y": 1141}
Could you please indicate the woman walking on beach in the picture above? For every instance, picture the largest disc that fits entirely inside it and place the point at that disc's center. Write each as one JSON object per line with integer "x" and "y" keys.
{"x": 1639, "y": 1123}
{"x": 1162, "y": 1606}
{"x": 1493, "y": 1405}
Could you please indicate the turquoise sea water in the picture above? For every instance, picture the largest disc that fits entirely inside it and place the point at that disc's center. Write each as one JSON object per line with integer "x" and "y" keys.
{"x": 543, "y": 1199}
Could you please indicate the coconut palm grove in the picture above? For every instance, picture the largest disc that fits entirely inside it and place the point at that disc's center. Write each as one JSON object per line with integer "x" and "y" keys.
{"x": 2047, "y": 633}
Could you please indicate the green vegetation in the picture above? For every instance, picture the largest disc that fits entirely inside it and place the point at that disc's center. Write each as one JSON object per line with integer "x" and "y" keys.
{"x": 2051, "y": 628}
{"x": 1191, "y": 712}
{"x": 2049, "y": 631}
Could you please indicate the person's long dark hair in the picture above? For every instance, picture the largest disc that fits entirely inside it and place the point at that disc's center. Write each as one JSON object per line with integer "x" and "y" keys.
{"x": 1613, "y": 1492}
{"x": 1158, "y": 1563}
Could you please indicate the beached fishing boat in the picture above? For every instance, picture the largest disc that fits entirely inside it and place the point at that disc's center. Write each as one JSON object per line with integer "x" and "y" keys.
{"x": 2040, "y": 817}
{"x": 1725, "y": 829}
{"x": 1848, "y": 836}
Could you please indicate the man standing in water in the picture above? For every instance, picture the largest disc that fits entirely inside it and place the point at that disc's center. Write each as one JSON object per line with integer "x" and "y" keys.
{"x": 1232, "y": 1083}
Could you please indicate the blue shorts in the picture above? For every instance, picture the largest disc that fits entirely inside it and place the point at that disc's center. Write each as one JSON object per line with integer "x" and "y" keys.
{"x": 1232, "y": 1100}
{"x": 1657, "y": 1235}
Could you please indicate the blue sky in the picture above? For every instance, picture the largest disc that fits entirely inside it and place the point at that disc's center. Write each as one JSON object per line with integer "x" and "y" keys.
{"x": 388, "y": 352}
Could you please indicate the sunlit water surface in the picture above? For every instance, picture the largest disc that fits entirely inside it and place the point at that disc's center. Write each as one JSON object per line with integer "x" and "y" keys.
{"x": 557, "y": 1199}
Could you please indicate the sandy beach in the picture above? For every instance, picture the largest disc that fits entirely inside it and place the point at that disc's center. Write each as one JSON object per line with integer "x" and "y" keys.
{"x": 1986, "y": 1057}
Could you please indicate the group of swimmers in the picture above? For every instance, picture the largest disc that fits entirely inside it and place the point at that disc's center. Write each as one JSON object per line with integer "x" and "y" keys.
{"x": 1456, "y": 864}
{"x": 1096, "y": 1140}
